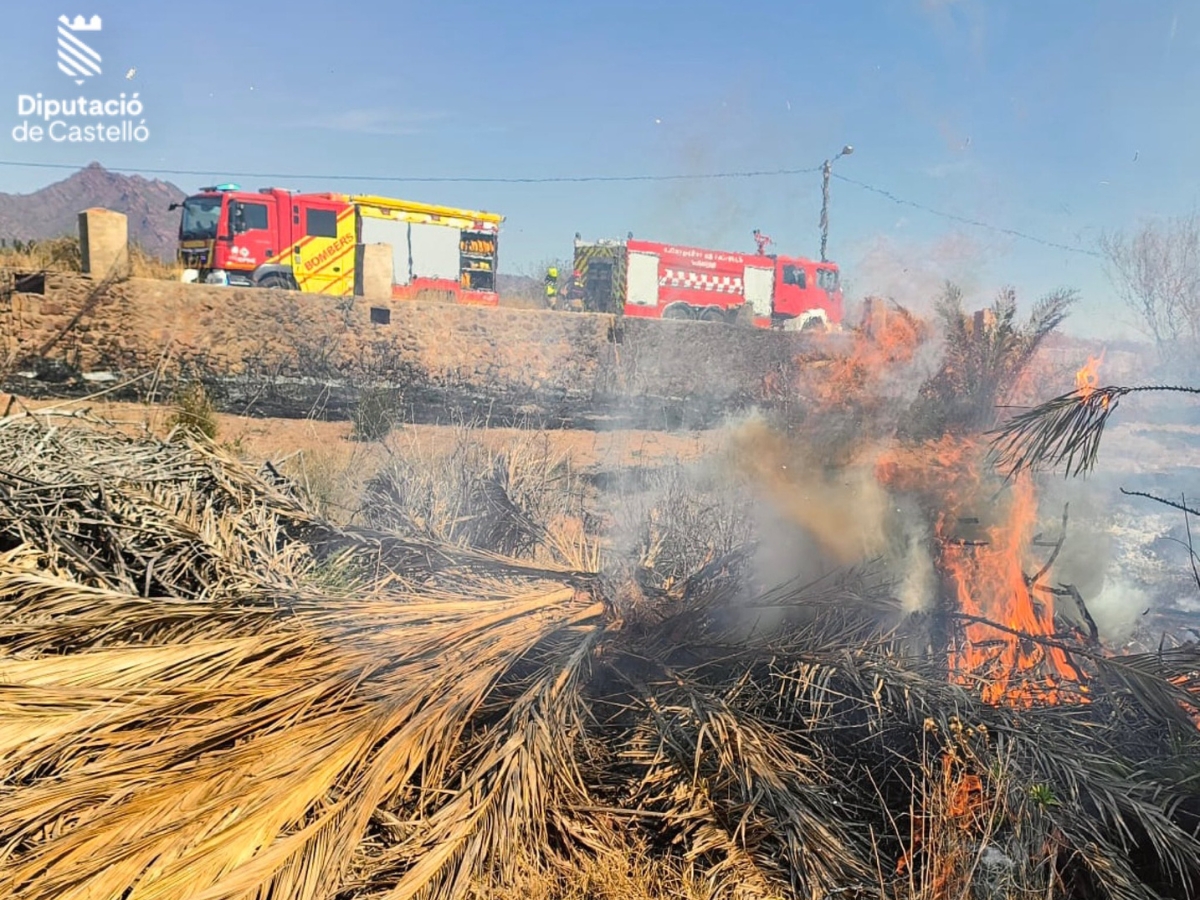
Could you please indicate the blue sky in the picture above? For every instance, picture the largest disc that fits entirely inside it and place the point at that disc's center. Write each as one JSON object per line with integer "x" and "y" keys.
{"x": 1025, "y": 115}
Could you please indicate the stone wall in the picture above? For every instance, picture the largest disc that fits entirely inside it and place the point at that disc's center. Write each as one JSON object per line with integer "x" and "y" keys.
{"x": 287, "y": 349}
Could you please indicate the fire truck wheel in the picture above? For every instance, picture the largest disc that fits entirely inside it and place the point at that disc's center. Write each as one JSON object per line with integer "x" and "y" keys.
{"x": 677, "y": 311}
{"x": 276, "y": 282}
{"x": 713, "y": 314}
{"x": 743, "y": 316}
{"x": 815, "y": 324}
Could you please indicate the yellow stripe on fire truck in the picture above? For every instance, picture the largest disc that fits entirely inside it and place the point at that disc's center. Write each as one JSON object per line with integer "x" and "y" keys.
{"x": 285, "y": 256}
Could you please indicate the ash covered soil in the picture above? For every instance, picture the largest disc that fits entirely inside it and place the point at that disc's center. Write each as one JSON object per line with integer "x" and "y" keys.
{"x": 1131, "y": 550}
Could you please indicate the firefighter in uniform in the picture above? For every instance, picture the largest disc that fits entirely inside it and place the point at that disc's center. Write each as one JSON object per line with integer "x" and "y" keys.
{"x": 576, "y": 290}
{"x": 552, "y": 287}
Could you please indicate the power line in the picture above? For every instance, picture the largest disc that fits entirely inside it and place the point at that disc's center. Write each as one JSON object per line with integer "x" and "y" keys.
{"x": 964, "y": 220}
{"x": 572, "y": 179}
{"x": 435, "y": 179}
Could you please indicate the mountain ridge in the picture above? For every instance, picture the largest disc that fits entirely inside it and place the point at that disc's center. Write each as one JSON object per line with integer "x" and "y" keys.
{"x": 53, "y": 211}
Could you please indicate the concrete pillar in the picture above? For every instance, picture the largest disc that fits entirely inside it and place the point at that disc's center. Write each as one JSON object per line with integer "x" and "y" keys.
{"x": 375, "y": 271}
{"x": 104, "y": 243}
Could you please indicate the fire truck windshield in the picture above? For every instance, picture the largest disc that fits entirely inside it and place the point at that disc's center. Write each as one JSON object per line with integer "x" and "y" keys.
{"x": 200, "y": 216}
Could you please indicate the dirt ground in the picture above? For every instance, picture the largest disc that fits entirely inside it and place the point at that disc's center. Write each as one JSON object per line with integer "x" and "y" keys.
{"x": 273, "y": 438}
{"x": 1130, "y": 447}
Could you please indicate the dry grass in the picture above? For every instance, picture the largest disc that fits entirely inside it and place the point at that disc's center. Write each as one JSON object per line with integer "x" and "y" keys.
{"x": 333, "y": 477}
{"x": 376, "y": 412}
{"x": 193, "y": 413}
{"x": 63, "y": 255}
{"x": 524, "y": 499}
{"x": 497, "y": 677}
{"x": 629, "y": 870}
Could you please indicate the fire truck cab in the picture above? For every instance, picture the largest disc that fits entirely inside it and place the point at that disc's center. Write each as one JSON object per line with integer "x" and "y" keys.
{"x": 276, "y": 238}
{"x": 650, "y": 279}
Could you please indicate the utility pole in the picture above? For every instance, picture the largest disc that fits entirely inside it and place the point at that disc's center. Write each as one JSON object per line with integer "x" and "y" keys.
{"x": 826, "y": 171}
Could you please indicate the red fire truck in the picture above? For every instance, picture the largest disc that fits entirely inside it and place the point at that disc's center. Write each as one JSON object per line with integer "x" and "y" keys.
{"x": 650, "y": 279}
{"x": 276, "y": 238}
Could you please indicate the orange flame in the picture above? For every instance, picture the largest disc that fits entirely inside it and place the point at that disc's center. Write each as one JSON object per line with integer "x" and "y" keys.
{"x": 1002, "y": 629}
{"x": 990, "y": 584}
{"x": 1088, "y": 377}
{"x": 889, "y": 339}
{"x": 984, "y": 541}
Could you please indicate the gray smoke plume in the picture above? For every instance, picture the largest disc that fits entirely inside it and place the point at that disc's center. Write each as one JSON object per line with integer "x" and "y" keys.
{"x": 915, "y": 273}
{"x": 838, "y": 516}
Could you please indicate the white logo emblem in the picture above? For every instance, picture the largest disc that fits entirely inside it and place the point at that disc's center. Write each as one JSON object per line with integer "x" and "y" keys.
{"x": 76, "y": 58}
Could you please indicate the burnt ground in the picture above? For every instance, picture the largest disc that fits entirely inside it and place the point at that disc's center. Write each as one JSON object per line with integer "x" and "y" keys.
{"x": 1133, "y": 550}
{"x": 425, "y": 404}
{"x": 1128, "y": 554}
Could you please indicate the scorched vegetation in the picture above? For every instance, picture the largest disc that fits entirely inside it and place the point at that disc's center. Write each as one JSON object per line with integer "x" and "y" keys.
{"x": 505, "y": 680}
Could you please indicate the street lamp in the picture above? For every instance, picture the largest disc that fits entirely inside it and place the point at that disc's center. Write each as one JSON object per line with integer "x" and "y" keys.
{"x": 825, "y": 172}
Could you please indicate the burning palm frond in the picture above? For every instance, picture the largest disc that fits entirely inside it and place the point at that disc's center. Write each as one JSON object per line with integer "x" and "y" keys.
{"x": 1064, "y": 431}
{"x": 984, "y": 356}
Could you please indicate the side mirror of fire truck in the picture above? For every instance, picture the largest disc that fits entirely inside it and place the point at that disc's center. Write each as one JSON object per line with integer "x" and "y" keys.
{"x": 236, "y": 220}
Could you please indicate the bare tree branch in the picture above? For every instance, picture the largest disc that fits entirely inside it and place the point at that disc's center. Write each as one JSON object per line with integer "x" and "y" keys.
{"x": 1062, "y": 537}
{"x": 1156, "y": 272}
{"x": 1171, "y": 503}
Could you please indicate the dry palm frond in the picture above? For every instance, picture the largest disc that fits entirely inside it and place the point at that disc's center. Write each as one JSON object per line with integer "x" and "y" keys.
{"x": 208, "y": 691}
{"x": 1066, "y": 430}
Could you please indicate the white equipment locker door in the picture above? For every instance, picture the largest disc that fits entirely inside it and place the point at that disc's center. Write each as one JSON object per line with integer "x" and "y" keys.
{"x": 643, "y": 279}
{"x": 435, "y": 251}
{"x": 759, "y": 284}
{"x": 386, "y": 231}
